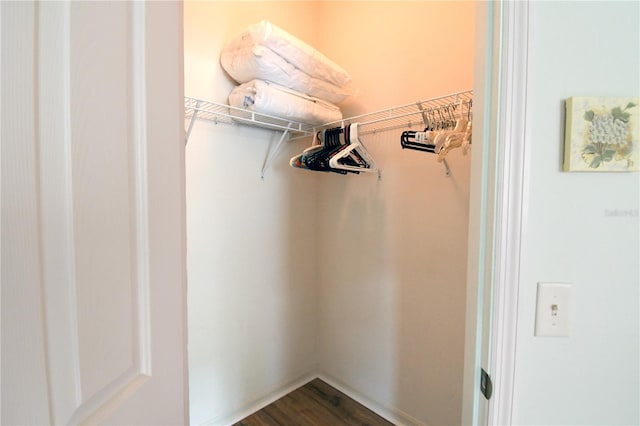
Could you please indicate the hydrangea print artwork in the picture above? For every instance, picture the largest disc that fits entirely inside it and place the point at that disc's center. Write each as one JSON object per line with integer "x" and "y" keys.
{"x": 602, "y": 134}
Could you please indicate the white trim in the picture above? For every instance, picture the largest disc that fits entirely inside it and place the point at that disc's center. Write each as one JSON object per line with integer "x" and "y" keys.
{"x": 56, "y": 196}
{"x": 481, "y": 208}
{"x": 395, "y": 416}
{"x": 141, "y": 184}
{"x": 509, "y": 196}
{"x": 258, "y": 405}
{"x": 97, "y": 407}
{"x": 496, "y": 210}
{"x": 68, "y": 198}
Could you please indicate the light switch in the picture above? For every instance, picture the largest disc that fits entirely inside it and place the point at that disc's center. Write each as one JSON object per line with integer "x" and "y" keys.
{"x": 553, "y": 309}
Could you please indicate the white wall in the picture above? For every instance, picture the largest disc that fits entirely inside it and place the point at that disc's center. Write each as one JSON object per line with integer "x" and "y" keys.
{"x": 374, "y": 270}
{"x": 251, "y": 243}
{"x": 251, "y": 261}
{"x": 591, "y": 377}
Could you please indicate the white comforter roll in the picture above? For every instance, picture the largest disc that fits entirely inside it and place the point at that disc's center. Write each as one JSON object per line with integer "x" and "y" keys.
{"x": 269, "y": 98}
{"x": 296, "y": 52}
{"x": 246, "y": 62}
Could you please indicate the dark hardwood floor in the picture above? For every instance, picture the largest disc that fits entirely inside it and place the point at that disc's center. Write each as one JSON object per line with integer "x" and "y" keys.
{"x": 314, "y": 404}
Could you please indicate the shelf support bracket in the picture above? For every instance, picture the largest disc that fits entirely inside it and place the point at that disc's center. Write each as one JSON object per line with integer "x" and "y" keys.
{"x": 425, "y": 120}
{"x": 447, "y": 170}
{"x": 192, "y": 122}
{"x": 271, "y": 154}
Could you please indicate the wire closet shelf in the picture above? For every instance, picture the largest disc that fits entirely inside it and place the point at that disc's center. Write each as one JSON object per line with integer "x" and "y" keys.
{"x": 409, "y": 115}
{"x": 399, "y": 117}
{"x": 218, "y": 113}
{"x": 405, "y": 116}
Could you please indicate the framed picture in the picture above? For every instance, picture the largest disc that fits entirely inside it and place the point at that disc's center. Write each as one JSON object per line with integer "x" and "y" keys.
{"x": 602, "y": 134}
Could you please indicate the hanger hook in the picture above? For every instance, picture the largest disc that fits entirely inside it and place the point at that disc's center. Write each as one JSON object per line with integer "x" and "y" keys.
{"x": 452, "y": 118}
{"x": 442, "y": 118}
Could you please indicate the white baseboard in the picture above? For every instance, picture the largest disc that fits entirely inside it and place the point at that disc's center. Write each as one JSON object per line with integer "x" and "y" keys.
{"x": 395, "y": 416}
{"x": 261, "y": 403}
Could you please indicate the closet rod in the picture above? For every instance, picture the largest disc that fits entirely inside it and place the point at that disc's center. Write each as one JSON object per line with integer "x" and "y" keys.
{"x": 379, "y": 120}
{"x": 402, "y": 116}
{"x": 396, "y": 117}
{"x": 415, "y": 108}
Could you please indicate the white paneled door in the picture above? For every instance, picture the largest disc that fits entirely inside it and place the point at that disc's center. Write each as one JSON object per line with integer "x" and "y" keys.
{"x": 93, "y": 223}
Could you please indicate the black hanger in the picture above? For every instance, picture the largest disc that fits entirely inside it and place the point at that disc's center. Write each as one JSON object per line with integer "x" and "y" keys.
{"x": 319, "y": 160}
{"x": 410, "y": 139}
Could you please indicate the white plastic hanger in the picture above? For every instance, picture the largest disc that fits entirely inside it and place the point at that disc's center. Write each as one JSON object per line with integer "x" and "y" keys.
{"x": 455, "y": 137}
{"x": 354, "y": 145}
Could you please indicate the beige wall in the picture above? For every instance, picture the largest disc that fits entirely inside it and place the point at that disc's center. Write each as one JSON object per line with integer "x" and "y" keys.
{"x": 210, "y": 24}
{"x": 399, "y": 52}
{"x": 359, "y": 279}
{"x": 393, "y": 295}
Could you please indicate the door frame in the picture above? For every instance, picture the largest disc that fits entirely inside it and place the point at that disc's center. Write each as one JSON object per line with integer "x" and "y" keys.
{"x": 497, "y": 209}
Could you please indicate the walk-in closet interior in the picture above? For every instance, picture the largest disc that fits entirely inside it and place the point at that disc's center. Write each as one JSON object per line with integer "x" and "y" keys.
{"x": 358, "y": 279}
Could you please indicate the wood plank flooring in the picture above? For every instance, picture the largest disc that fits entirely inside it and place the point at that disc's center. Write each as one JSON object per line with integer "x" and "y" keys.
{"x": 314, "y": 404}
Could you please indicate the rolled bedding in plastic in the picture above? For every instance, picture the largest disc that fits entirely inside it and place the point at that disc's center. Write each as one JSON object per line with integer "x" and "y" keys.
{"x": 246, "y": 62}
{"x": 298, "y": 53}
{"x": 272, "y": 99}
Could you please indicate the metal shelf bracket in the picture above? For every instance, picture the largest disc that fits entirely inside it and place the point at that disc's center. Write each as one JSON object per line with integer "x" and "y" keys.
{"x": 272, "y": 154}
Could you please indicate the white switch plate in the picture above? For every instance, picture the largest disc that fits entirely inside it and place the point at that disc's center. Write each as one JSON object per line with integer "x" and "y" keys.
{"x": 553, "y": 310}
